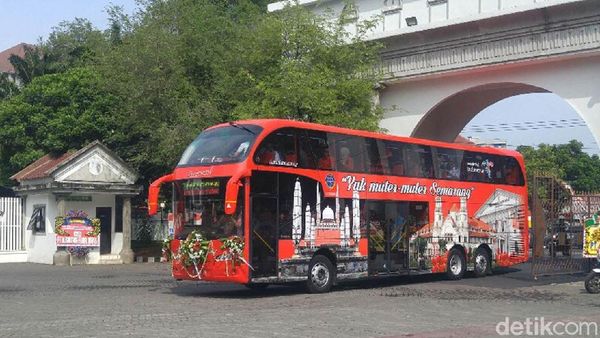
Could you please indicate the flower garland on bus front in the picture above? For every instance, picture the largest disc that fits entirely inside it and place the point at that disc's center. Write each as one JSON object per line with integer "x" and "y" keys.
{"x": 233, "y": 249}
{"x": 194, "y": 251}
{"x": 167, "y": 255}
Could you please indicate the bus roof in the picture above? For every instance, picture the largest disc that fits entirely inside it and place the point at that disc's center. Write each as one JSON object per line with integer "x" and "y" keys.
{"x": 270, "y": 125}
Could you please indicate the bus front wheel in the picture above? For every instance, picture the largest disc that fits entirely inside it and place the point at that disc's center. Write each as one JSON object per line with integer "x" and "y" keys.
{"x": 457, "y": 265}
{"x": 320, "y": 275}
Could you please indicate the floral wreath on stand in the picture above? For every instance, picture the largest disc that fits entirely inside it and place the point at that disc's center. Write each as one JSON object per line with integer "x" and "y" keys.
{"x": 78, "y": 251}
{"x": 60, "y": 221}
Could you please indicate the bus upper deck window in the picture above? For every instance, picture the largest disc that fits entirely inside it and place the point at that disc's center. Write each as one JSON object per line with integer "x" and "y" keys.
{"x": 315, "y": 152}
{"x": 349, "y": 152}
{"x": 279, "y": 148}
{"x": 346, "y": 163}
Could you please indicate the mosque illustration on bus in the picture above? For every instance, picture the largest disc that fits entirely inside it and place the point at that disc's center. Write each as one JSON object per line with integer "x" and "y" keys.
{"x": 341, "y": 224}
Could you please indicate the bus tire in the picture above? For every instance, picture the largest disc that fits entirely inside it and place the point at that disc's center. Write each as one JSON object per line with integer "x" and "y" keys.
{"x": 456, "y": 266}
{"x": 482, "y": 263}
{"x": 320, "y": 275}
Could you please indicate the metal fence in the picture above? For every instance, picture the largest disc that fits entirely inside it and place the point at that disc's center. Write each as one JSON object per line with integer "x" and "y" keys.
{"x": 11, "y": 224}
{"x": 146, "y": 228}
{"x": 558, "y": 215}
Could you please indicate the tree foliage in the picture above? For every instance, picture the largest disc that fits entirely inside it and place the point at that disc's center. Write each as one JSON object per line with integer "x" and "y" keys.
{"x": 8, "y": 87}
{"x": 53, "y": 114}
{"x": 295, "y": 65}
{"x": 31, "y": 65}
{"x": 567, "y": 161}
{"x": 185, "y": 65}
{"x": 73, "y": 44}
{"x": 150, "y": 83}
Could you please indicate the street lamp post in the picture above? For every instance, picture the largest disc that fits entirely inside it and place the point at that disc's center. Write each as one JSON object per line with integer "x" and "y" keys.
{"x": 162, "y": 225}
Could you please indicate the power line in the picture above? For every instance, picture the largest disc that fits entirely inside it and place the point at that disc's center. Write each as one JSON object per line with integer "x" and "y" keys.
{"x": 525, "y": 126}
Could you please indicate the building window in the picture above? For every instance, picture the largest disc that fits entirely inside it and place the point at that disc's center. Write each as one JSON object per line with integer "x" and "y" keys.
{"x": 37, "y": 222}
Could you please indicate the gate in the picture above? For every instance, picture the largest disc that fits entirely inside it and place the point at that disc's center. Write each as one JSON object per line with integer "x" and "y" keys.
{"x": 558, "y": 215}
{"x": 11, "y": 227}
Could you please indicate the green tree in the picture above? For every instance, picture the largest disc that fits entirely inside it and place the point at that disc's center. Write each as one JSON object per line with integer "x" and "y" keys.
{"x": 7, "y": 86}
{"x": 53, "y": 114}
{"x": 154, "y": 80}
{"x": 73, "y": 44}
{"x": 32, "y": 64}
{"x": 164, "y": 104}
{"x": 566, "y": 161}
{"x": 184, "y": 65}
{"x": 293, "y": 64}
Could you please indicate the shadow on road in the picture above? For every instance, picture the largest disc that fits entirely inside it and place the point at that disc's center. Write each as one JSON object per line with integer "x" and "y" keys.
{"x": 503, "y": 278}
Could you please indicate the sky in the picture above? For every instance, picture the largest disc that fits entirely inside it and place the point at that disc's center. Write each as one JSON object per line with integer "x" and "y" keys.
{"x": 548, "y": 118}
{"x": 28, "y": 20}
{"x": 531, "y": 119}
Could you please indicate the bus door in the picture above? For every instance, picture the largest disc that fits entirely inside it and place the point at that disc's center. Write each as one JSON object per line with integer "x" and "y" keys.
{"x": 398, "y": 216}
{"x": 419, "y": 234}
{"x": 388, "y": 245}
{"x": 263, "y": 229}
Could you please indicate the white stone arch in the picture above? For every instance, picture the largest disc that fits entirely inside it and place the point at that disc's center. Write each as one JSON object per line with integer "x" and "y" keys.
{"x": 438, "y": 107}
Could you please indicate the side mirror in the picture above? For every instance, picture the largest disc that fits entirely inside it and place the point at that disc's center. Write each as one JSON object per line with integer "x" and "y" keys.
{"x": 153, "y": 192}
{"x": 233, "y": 188}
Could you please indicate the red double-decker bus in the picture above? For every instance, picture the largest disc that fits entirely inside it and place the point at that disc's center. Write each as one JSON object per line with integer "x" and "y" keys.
{"x": 274, "y": 201}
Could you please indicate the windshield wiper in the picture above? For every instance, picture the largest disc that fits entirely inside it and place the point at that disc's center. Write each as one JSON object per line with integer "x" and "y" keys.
{"x": 233, "y": 124}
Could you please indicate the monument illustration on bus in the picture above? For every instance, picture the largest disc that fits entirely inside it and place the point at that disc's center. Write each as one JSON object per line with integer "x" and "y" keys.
{"x": 495, "y": 223}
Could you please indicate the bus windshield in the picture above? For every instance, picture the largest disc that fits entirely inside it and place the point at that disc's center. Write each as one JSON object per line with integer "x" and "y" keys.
{"x": 200, "y": 206}
{"x": 221, "y": 145}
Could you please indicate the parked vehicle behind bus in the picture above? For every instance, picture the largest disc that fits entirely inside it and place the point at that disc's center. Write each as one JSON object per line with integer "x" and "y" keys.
{"x": 273, "y": 201}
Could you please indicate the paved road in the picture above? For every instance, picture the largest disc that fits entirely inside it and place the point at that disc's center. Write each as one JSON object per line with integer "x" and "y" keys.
{"x": 142, "y": 300}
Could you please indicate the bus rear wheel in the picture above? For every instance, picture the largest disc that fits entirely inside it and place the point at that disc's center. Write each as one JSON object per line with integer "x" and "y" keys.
{"x": 456, "y": 266}
{"x": 482, "y": 263}
{"x": 320, "y": 275}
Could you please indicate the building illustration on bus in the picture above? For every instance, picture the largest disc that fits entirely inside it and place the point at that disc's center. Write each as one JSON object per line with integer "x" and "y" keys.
{"x": 315, "y": 203}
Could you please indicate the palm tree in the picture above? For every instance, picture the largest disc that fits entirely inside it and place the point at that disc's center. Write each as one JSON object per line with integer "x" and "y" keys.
{"x": 32, "y": 64}
{"x": 8, "y": 87}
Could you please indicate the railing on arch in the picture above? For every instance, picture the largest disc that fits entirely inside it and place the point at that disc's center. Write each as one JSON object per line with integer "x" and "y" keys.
{"x": 11, "y": 224}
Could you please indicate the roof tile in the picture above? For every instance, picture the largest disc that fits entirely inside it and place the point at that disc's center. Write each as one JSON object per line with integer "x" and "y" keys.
{"x": 5, "y": 65}
{"x": 42, "y": 167}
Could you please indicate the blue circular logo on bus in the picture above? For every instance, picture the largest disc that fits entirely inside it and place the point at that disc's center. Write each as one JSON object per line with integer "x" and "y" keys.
{"x": 330, "y": 181}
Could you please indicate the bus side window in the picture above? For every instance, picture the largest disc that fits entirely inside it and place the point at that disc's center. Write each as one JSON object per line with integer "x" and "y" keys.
{"x": 349, "y": 152}
{"x": 374, "y": 150}
{"x": 480, "y": 167}
{"x": 279, "y": 148}
{"x": 419, "y": 161}
{"x": 512, "y": 172}
{"x": 393, "y": 158}
{"x": 315, "y": 152}
{"x": 448, "y": 162}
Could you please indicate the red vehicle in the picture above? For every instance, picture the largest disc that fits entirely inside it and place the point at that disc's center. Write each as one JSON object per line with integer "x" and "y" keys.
{"x": 273, "y": 201}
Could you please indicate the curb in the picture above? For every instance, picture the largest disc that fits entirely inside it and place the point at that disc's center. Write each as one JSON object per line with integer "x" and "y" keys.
{"x": 144, "y": 259}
